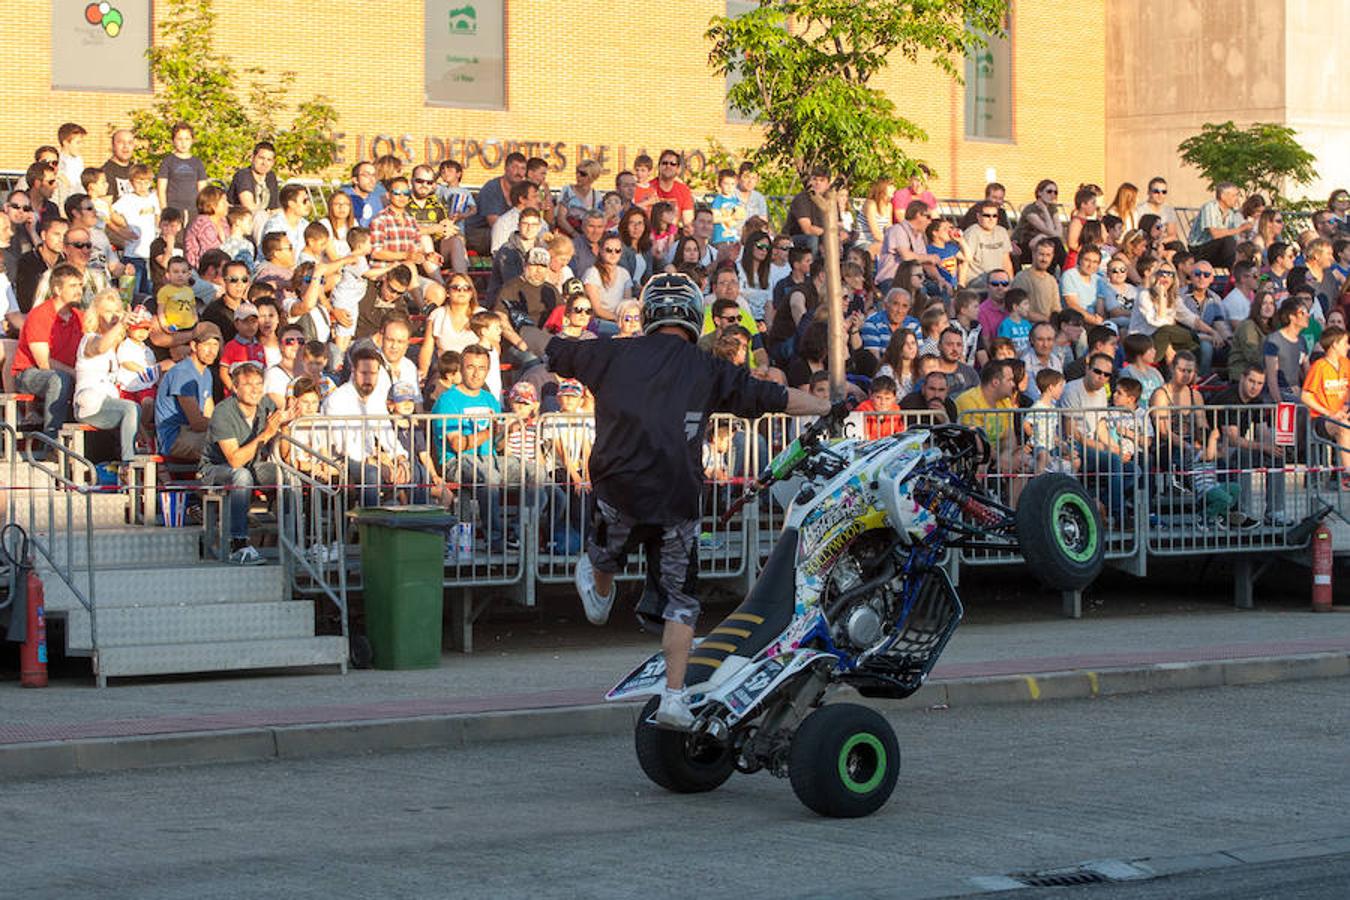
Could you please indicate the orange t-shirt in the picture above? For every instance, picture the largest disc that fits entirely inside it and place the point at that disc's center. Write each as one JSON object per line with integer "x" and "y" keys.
{"x": 1329, "y": 385}
{"x": 880, "y": 424}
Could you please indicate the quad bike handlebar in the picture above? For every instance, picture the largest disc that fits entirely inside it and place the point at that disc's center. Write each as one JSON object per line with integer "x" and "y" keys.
{"x": 801, "y": 449}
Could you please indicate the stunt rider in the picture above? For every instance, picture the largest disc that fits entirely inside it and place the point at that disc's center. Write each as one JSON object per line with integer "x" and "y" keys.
{"x": 653, "y": 397}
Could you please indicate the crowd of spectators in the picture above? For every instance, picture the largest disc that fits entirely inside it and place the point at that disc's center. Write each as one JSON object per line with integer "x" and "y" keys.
{"x": 200, "y": 321}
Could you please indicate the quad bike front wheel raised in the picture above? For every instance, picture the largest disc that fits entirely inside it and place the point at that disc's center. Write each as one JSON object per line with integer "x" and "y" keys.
{"x": 844, "y": 761}
{"x": 678, "y": 761}
{"x": 1060, "y": 532}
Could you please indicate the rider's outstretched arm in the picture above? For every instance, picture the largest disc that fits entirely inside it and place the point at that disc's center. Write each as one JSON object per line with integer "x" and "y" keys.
{"x": 805, "y": 403}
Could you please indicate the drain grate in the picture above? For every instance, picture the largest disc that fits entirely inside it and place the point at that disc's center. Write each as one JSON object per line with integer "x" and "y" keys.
{"x": 1060, "y": 879}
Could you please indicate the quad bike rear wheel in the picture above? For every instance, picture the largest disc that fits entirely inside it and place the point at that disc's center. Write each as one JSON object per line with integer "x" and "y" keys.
{"x": 844, "y": 761}
{"x": 679, "y": 761}
{"x": 1060, "y": 532}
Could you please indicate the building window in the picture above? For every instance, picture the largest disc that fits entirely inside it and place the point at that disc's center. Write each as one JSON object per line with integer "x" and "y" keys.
{"x": 466, "y": 53}
{"x": 735, "y": 9}
{"x": 989, "y": 89}
{"x": 100, "y": 46}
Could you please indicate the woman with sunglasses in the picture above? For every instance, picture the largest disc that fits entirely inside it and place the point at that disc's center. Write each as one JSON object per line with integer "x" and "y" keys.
{"x": 1039, "y": 221}
{"x": 636, "y": 237}
{"x": 1155, "y": 203}
{"x": 576, "y": 320}
{"x": 1159, "y": 312}
{"x": 1115, "y": 293}
{"x": 447, "y": 327}
{"x": 630, "y": 319}
{"x": 607, "y": 285}
{"x": 754, "y": 269}
{"x": 578, "y": 198}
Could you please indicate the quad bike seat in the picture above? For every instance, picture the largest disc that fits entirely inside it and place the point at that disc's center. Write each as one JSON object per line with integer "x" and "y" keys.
{"x": 760, "y": 618}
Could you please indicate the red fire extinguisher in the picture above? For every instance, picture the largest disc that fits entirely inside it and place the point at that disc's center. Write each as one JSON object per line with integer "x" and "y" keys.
{"x": 1321, "y": 568}
{"x": 33, "y": 652}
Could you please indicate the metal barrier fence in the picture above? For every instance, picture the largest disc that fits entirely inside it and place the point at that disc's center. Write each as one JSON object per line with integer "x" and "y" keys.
{"x": 1029, "y": 442}
{"x": 520, "y": 490}
{"x": 311, "y": 525}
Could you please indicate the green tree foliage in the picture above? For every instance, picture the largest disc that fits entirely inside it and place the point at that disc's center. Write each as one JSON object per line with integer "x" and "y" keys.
{"x": 1262, "y": 157}
{"x": 805, "y": 67}
{"x": 197, "y": 85}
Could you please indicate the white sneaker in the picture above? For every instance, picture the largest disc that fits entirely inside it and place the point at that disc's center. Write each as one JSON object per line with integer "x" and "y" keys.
{"x": 674, "y": 711}
{"x": 246, "y": 556}
{"x": 597, "y": 608}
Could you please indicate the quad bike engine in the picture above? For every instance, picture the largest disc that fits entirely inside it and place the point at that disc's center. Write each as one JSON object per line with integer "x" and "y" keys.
{"x": 862, "y": 587}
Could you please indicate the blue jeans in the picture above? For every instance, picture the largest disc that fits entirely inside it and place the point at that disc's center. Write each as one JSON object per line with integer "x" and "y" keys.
{"x": 490, "y": 477}
{"x": 1120, "y": 477}
{"x": 241, "y": 482}
{"x": 54, "y": 389}
{"x": 123, "y": 415}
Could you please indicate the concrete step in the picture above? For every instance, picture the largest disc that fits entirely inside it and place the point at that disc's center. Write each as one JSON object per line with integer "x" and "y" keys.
{"x": 41, "y": 510}
{"x": 189, "y": 624}
{"x": 222, "y": 656}
{"x": 128, "y": 546}
{"x": 168, "y": 586}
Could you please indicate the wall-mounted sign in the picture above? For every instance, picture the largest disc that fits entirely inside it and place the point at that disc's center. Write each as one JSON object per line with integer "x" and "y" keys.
{"x": 100, "y": 46}
{"x": 466, "y": 53}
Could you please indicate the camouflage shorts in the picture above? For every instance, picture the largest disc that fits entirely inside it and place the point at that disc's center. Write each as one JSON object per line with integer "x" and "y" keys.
{"x": 672, "y": 562}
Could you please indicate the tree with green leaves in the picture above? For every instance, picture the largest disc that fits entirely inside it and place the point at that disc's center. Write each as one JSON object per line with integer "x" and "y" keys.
{"x": 197, "y": 85}
{"x": 1262, "y": 157}
{"x": 803, "y": 71}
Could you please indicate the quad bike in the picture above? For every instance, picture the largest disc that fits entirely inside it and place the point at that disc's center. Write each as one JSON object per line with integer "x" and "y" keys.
{"x": 853, "y": 593}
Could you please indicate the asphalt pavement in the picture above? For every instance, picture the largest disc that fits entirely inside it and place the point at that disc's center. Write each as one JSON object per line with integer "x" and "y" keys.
{"x": 1166, "y": 782}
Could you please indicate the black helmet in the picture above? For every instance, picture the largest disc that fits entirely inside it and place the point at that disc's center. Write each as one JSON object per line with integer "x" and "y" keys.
{"x": 672, "y": 299}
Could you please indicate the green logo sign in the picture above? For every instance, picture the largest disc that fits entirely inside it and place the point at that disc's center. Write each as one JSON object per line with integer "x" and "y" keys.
{"x": 464, "y": 20}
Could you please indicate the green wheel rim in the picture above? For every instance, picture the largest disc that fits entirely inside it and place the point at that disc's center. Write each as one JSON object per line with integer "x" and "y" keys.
{"x": 1075, "y": 527}
{"x": 862, "y": 763}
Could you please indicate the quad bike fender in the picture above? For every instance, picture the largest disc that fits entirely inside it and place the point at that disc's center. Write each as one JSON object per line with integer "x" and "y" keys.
{"x": 743, "y": 694}
{"x": 646, "y": 680}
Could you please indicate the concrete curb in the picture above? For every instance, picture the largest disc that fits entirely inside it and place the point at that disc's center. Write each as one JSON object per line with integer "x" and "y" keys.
{"x": 41, "y": 759}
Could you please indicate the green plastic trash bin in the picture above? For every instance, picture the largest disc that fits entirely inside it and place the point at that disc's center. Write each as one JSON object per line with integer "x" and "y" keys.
{"x": 402, "y": 570}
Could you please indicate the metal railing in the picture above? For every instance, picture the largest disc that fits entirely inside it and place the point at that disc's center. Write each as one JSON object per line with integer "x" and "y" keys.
{"x": 311, "y": 526}
{"x": 49, "y": 478}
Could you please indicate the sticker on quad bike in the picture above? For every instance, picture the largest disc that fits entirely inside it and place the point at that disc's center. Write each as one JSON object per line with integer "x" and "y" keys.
{"x": 643, "y": 678}
{"x": 741, "y": 699}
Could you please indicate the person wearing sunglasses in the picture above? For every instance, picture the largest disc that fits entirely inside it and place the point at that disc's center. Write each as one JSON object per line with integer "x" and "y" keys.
{"x": 668, "y": 186}
{"x": 292, "y": 218}
{"x": 577, "y": 199}
{"x": 396, "y": 238}
{"x": 1159, "y": 312}
{"x": 576, "y": 318}
{"x": 440, "y": 235}
{"x": 988, "y": 243}
{"x": 1039, "y": 221}
{"x": 1155, "y": 203}
{"x": 41, "y": 185}
{"x": 18, "y": 212}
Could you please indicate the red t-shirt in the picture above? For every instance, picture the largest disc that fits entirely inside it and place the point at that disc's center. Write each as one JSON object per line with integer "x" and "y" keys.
{"x": 237, "y": 351}
{"x": 880, "y": 424}
{"x": 679, "y": 193}
{"x": 61, "y": 334}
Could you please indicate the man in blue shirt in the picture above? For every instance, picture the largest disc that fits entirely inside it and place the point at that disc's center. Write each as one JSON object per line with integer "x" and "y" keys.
{"x": 894, "y": 314}
{"x": 465, "y": 444}
{"x": 183, "y": 401}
